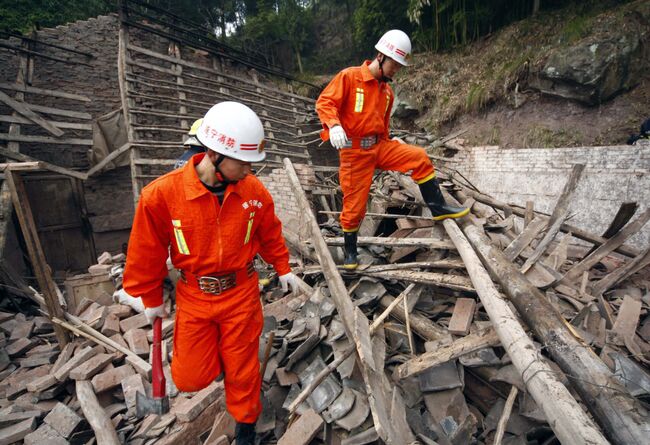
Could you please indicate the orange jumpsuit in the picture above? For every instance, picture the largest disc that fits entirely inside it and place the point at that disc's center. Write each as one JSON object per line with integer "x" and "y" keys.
{"x": 213, "y": 333}
{"x": 359, "y": 103}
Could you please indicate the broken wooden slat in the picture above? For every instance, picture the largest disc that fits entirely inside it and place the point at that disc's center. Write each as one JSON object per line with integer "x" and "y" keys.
{"x": 534, "y": 228}
{"x": 16, "y": 433}
{"x": 625, "y": 213}
{"x": 559, "y": 215}
{"x": 45, "y": 165}
{"x": 621, "y": 273}
{"x": 95, "y": 414}
{"x": 23, "y": 110}
{"x": 189, "y": 409}
{"x": 628, "y": 318}
{"x": 601, "y": 252}
{"x": 470, "y": 343}
{"x": 505, "y": 415}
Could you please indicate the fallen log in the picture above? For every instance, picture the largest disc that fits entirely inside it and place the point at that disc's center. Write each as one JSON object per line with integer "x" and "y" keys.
{"x": 622, "y": 418}
{"x": 565, "y": 416}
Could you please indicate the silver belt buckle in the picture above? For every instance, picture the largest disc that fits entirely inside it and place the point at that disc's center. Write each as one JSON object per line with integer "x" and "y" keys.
{"x": 211, "y": 285}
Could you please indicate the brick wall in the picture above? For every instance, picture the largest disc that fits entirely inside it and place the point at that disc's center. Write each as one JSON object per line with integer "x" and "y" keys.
{"x": 286, "y": 205}
{"x": 613, "y": 175}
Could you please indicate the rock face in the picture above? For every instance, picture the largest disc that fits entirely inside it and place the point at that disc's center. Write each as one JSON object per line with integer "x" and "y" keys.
{"x": 594, "y": 71}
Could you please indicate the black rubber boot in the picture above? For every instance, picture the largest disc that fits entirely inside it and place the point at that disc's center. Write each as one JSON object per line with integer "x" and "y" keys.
{"x": 245, "y": 434}
{"x": 350, "y": 249}
{"x": 436, "y": 202}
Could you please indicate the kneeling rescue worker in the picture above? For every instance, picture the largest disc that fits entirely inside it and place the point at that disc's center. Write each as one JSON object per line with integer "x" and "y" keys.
{"x": 355, "y": 112}
{"x": 213, "y": 217}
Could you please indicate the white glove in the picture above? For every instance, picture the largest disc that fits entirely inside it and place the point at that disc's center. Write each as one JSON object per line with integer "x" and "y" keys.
{"x": 288, "y": 279}
{"x": 338, "y": 138}
{"x": 400, "y": 140}
{"x": 122, "y": 297}
{"x": 155, "y": 312}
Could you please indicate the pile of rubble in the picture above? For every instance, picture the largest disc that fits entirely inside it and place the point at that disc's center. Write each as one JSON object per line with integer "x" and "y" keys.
{"x": 419, "y": 345}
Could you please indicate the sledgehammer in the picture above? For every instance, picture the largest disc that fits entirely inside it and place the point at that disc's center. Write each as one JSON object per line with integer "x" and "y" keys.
{"x": 159, "y": 402}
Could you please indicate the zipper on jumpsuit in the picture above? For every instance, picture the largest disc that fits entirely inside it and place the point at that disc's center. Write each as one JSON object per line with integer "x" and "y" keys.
{"x": 219, "y": 207}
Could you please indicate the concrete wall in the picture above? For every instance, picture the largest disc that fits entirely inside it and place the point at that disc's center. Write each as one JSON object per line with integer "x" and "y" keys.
{"x": 613, "y": 175}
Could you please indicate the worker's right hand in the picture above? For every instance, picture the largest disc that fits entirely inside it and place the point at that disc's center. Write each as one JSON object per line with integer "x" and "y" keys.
{"x": 155, "y": 312}
{"x": 338, "y": 138}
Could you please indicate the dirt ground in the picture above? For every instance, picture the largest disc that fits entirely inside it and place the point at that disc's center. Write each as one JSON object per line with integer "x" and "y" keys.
{"x": 543, "y": 121}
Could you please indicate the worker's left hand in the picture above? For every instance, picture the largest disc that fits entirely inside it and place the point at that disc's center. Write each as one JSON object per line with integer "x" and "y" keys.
{"x": 288, "y": 279}
{"x": 400, "y": 140}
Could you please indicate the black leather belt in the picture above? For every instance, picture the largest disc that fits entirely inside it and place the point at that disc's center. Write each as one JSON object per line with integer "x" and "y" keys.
{"x": 216, "y": 284}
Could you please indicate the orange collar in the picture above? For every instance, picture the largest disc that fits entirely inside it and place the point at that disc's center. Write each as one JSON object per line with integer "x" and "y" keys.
{"x": 366, "y": 75}
{"x": 192, "y": 184}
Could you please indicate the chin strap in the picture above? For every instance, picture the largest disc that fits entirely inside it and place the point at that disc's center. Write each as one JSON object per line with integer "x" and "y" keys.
{"x": 220, "y": 177}
{"x": 381, "y": 58}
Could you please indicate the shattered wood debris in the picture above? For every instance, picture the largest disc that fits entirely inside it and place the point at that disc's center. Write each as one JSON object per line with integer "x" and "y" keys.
{"x": 428, "y": 349}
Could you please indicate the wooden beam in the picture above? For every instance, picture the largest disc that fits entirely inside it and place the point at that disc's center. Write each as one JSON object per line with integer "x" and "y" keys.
{"x": 45, "y": 139}
{"x": 36, "y": 255}
{"x": 429, "y": 243}
{"x": 43, "y": 92}
{"x": 392, "y": 431}
{"x": 621, "y": 273}
{"x": 95, "y": 414}
{"x": 24, "y": 111}
{"x": 111, "y": 156}
{"x": 71, "y": 125}
{"x": 470, "y": 343}
{"x": 560, "y": 214}
{"x": 601, "y": 252}
{"x": 625, "y": 213}
{"x": 621, "y": 417}
{"x": 534, "y": 228}
{"x": 46, "y": 165}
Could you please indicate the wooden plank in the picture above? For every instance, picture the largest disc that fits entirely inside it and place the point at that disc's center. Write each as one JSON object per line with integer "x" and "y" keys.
{"x": 621, "y": 273}
{"x": 111, "y": 156}
{"x": 628, "y": 318}
{"x": 303, "y": 430}
{"x": 625, "y": 213}
{"x": 20, "y": 108}
{"x": 95, "y": 415}
{"x": 46, "y": 165}
{"x": 45, "y": 139}
{"x": 461, "y": 318}
{"x": 601, "y": 252}
{"x": 42, "y": 91}
{"x": 60, "y": 112}
{"x": 559, "y": 215}
{"x": 393, "y": 433}
{"x": 470, "y": 343}
{"x": 69, "y": 125}
{"x": 523, "y": 240}
{"x": 36, "y": 255}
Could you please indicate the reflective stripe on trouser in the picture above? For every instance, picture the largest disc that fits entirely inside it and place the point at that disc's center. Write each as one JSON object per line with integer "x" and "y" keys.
{"x": 357, "y": 167}
{"x": 215, "y": 333}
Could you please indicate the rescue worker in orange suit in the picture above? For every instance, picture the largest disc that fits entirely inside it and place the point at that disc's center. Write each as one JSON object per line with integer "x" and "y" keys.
{"x": 213, "y": 217}
{"x": 355, "y": 112}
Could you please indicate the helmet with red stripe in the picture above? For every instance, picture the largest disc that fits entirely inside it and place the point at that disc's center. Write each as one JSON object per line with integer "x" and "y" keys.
{"x": 396, "y": 45}
{"x": 233, "y": 130}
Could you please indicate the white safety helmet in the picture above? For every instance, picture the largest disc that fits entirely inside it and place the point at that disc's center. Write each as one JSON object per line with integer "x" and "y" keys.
{"x": 396, "y": 45}
{"x": 191, "y": 140}
{"x": 233, "y": 130}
